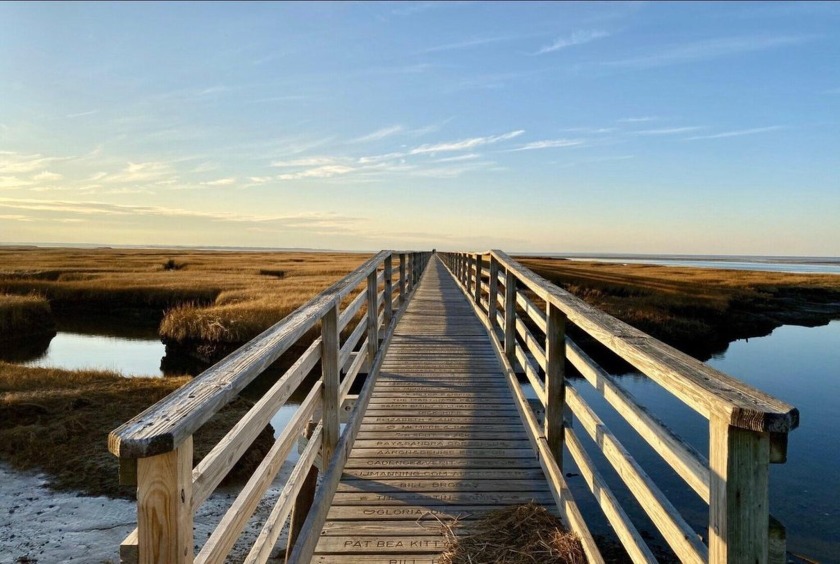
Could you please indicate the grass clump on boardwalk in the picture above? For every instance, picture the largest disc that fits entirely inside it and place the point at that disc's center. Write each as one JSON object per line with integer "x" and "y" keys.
{"x": 57, "y": 422}
{"x": 522, "y": 534}
{"x": 24, "y": 316}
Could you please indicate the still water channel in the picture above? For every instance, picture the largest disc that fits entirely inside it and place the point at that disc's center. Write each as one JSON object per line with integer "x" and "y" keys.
{"x": 800, "y": 365}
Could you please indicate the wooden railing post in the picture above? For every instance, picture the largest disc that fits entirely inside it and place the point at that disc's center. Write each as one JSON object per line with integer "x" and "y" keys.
{"x": 372, "y": 317}
{"x": 493, "y": 289}
{"x": 478, "y": 260}
{"x": 330, "y": 345}
{"x": 738, "y": 505}
{"x": 164, "y": 506}
{"x": 510, "y": 316}
{"x": 389, "y": 291}
{"x": 402, "y": 278}
{"x": 555, "y": 380}
{"x": 468, "y": 279}
{"x": 303, "y": 501}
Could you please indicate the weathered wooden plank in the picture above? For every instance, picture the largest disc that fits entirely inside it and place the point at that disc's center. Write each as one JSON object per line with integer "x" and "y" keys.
{"x": 465, "y": 474}
{"x": 403, "y": 512}
{"x": 441, "y": 498}
{"x": 477, "y": 426}
{"x": 440, "y": 411}
{"x": 412, "y": 462}
{"x": 429, "y": 544}
{"x": 477, "y": 433}
{"x": 471, "y": 453}
{"x": 437, "y": 443}
{"x": 376, "y": 559}
{"x": 423, "y": 527}
{"x": 441, "y": 485}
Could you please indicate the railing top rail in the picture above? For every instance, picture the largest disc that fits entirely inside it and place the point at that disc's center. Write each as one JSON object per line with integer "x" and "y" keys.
{"x": 703, "y": 388}
{"x": 164, "y": 426}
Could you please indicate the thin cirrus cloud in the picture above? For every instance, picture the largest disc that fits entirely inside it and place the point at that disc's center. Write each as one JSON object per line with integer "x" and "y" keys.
{"x": 577, "y": 38}
{"x": 549, "y": 144}
{"x": 465, "y": 144}
{"x": 670, "y": 130}
{"x": 737, "y": 133}
{"x": 378, "y": 134}
{"x": 707, "y": 50}
{"x": 102, "y": 209}
{"x": 469, "y": 43}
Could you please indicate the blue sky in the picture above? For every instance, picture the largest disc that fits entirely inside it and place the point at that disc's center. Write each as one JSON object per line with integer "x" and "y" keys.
{"x": 634, "y": 127}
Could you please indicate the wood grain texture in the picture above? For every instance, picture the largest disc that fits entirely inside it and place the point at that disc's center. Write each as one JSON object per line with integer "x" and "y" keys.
{"x": 164, "y": 500}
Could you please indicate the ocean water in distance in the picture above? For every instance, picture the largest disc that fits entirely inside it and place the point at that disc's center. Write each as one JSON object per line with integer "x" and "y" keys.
{"x": 798, "y": 265}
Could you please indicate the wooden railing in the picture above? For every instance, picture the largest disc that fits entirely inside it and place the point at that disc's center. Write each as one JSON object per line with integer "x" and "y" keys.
{"x": 528, "y": 317}
{"x": 156, "y": 447}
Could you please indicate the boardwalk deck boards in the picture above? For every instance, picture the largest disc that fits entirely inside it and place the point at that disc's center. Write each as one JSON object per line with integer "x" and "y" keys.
{"x": 441, "y": 438}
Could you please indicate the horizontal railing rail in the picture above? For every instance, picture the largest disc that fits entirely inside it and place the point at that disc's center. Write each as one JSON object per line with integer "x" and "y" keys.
{"x": 156, "y": 447}
{"x": 747, "y": 427}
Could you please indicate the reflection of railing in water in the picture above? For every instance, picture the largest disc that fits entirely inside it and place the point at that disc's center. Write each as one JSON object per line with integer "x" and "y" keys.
{"x": 155, "y": 448}
{"x": 748, "y": 429}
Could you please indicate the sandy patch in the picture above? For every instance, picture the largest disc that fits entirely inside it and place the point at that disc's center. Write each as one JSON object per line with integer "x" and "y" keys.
{"x": 44, "y": 526}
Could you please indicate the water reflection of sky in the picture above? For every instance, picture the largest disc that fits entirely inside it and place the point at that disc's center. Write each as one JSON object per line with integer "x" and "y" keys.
{"x": 129, "y": 357}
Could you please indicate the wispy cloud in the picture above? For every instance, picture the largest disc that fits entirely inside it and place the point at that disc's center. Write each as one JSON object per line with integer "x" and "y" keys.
{"x": 47, "y": 176}
{"x": 17, "y": 163}
{"x": 306, "y": 161}
{"x": 326, "y": 171}
{"x": 83, "y": 114}
{"x": 670, "y": 130}
{"x": 141, "y": 172}
{"x": 378, "y": 134}
{"x": 459, "y": 158}
{"x": 549, "y": 144}
{"x": 469, "y": 43}
{"x": 577, "y": 38}
{"x": 737, "y": 133}
{"x": 102, "y": 209}
{"x": 230, "y": 181}
{"x": 13, "y": 183}
{"x": 708, "y": 49}
{"x": 465, "y": 144}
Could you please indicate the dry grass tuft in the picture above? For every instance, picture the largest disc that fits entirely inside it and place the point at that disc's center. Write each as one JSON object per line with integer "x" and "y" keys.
{"x": 522, "y": 534}
{"x": 24, "y": 316}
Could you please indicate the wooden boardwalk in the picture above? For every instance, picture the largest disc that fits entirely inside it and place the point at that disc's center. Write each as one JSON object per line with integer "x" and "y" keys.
{"x": 441, "y": 438}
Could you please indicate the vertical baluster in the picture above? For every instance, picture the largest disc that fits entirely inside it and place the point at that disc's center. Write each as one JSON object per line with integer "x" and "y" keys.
{"x": 330, "y": 344}
{"x": 478, "y": 266}
{"x": 402, "y": 278}
{"x": 510, "y": 316}
{"x": 493, "y": 289}
{"x": 372, "y": 317}
{"x": 555, "y": 380}
{"x": 389, "y": 291}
